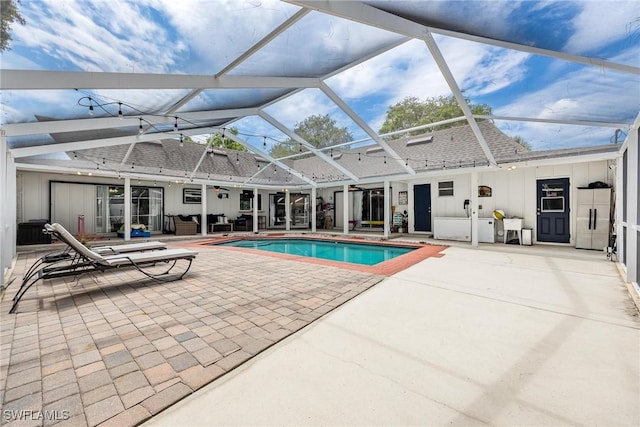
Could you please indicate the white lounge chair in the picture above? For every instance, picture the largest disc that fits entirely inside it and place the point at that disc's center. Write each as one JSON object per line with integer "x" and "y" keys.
{"x": 51, "y": 259}
{"x": 85, "y": 260}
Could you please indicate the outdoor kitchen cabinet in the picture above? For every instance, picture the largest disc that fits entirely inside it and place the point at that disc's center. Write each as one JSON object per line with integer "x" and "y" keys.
{"x": 593, "y": 223}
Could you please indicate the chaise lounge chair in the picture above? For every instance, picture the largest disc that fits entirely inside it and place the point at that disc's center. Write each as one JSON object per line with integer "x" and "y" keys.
{"x": 81, "y": 260}
{"x": 50, "y": 259}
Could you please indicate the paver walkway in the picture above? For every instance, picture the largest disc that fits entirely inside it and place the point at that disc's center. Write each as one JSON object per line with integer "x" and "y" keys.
{"x": 118, "y": 352}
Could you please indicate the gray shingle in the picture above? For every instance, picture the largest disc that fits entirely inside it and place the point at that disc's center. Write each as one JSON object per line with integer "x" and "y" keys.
{"x": 447, "y": 148}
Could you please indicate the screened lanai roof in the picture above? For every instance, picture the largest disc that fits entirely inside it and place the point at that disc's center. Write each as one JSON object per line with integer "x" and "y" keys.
{"x": 560, "y": 75}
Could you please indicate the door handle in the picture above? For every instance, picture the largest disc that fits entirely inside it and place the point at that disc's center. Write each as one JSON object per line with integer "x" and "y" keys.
{"x": 590, "y": 219}
{"x": 595, "y": 217}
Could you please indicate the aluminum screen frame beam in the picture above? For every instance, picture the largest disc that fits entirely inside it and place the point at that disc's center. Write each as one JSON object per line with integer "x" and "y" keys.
{"x": 307, "y": 145}
{"x": 369, "y": 15}
{"x": 365, "y": 127}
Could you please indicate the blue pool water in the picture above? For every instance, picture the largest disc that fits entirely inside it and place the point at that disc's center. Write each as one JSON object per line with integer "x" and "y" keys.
{"x": 357, "y": 253}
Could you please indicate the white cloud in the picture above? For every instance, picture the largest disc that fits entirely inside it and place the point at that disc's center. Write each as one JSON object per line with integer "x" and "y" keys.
{"x": 409, "y": 70}
{"x": 218, "y": 33}
{"x": 547, "y": 136}
{"x": 496, "y": 70}
{"x": 602, "y": 22}
{"x": 588, "y": 93}
{"x": 96, "y": 36}
{"x": 296, "y": 108}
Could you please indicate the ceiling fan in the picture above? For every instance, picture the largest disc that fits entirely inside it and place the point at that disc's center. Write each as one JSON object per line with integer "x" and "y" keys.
{"x": 217, "y": 188}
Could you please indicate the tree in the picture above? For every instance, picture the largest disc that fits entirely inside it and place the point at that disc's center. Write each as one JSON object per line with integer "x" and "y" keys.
{"x": 319, "y": 130}
{"x": 218, "y": 140}
{"x": 522, "y": 142}
{"x": 411, "y": 112}
{"x": 9, "y": 14}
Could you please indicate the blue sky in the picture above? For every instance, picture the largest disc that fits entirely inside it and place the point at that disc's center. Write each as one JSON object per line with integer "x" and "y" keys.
{"x": 201, "y": 37}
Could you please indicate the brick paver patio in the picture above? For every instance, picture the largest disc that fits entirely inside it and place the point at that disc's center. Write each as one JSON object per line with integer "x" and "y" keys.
{"x": 118, "y": 351}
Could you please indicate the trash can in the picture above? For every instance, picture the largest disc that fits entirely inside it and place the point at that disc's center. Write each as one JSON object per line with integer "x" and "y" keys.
{"x": 526, "y": 236}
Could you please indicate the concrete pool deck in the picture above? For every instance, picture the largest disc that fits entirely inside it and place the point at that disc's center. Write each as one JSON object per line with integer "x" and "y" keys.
{"x": 499, "y": 335}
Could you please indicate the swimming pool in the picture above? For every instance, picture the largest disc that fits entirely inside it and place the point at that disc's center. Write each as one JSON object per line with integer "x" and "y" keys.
{"x": 357, "y": 253}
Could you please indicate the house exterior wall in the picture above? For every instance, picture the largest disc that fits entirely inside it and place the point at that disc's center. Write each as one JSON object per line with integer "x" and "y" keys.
{"x": 514, "y": 191}
{"x": 33, "y": 198}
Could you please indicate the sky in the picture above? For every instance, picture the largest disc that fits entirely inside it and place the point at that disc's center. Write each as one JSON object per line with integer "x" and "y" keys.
{"x": 203, "y": 36}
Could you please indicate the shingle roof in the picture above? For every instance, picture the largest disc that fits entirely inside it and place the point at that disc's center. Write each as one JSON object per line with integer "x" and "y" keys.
{"x": 456, "y": 146}
{"x": 169, "y": 158}
{"x": 442, "y": 149}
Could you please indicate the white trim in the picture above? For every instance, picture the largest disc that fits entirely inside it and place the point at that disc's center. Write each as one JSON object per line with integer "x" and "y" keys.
{"x": 387, "y": 210}
{"x": 76, "y": 125}
{"x": 61, "y": 80}
{"x": 127, "y": 208}
{"x": 554, "y": 121}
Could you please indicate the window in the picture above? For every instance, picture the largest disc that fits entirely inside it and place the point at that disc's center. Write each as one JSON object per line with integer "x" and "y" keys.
{"x": 552, "y": 199}
{"x": 445, "y": 188}
{"x": 373, "y": 205}
{"x": 191, "y": 196}
{"x": 146, "y": 207}
{"x": 246, "y": 201}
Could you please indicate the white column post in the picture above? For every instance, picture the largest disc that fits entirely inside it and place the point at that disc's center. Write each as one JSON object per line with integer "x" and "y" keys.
{"x": 411, "y": 228}
{"x": 5, "y": 245}
{"x": 255, "y": 210}
{"x": 474, "y": 209}
{"x": 287, "y": 211}
{"x": 204, "y": 227}
{"x": 633, "y": 202}
{"x": 345, "y": 209}
{"x": 313, "y": 209}
{"x": 127, "y": 208}
{"x": 387, "y": 210}
{"x": 619, "y": 229}
{"x": 8, "y": 221}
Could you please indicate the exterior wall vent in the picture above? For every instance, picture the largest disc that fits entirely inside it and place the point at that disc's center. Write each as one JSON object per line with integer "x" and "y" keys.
{"x": 375, "y": 150}
{"x": 217, "y": 152}
{"x": 420, "y": 140}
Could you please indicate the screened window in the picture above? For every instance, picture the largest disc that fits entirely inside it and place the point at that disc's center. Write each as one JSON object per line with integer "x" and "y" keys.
{"x": 445, "y": 188}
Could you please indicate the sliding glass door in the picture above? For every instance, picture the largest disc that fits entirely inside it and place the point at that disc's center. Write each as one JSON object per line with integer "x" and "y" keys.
{"x": 299, "y": 210}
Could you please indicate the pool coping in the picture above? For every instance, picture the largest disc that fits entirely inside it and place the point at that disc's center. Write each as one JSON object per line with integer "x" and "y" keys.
{"x": 386, "y": 268}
